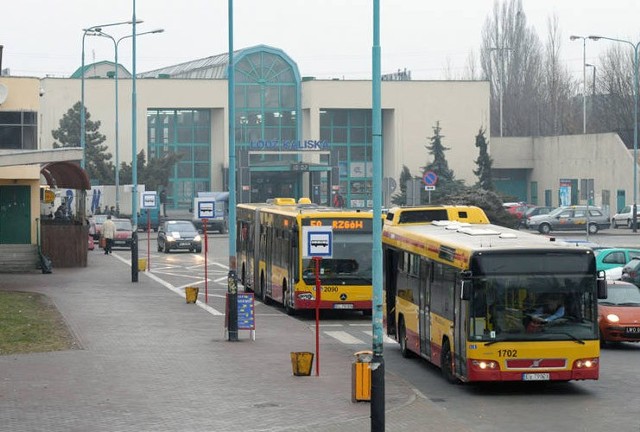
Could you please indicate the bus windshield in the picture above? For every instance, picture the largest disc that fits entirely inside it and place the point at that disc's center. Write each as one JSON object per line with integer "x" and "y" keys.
{"x": 533, "y": 307}
{"x": 350, "y": 263}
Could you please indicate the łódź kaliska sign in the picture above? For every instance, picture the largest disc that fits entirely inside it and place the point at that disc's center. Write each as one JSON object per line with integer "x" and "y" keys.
{"x": 289, "y": 145}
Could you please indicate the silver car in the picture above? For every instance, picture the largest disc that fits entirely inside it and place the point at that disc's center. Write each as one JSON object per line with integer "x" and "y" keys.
{"x": 624, "y": 217}
{"x": 570, "y": 218}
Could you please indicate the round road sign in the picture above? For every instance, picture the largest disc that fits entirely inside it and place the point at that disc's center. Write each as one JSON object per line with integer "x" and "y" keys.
{"x": 430, "y": 178}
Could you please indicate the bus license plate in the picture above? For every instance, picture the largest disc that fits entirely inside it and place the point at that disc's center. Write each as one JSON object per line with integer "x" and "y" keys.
{"x": 343, "y": 306}
{"x": 635, "y": 330}
{"x": 535, "y": 377}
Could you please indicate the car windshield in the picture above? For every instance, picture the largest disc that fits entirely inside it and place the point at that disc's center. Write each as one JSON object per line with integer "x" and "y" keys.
{"x": 180, "y": 227}
{"x": 123, "y": 225}
{"x": 99, "y": 219}
{"x": 556, "y": 211}
{"x": 622, "y": 294}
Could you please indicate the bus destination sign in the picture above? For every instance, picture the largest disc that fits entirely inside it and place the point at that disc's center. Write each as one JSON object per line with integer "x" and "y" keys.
{"x": 341, "y": 224}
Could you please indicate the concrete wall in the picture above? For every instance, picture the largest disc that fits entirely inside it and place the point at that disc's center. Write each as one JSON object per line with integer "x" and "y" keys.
{"x": 602, "y": 157}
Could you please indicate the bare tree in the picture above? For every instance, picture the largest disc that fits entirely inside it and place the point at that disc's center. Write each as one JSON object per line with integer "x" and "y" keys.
{"x": 511, "y": 58}
{"x": 613, "y": 101}
{"x": 556, "y": 114}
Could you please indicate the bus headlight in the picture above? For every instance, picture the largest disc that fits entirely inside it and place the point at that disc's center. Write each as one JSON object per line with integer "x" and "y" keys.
{"x": 485, "y": 364}
{"x": 613, "y": 318}
{"x": 587, "y": 363}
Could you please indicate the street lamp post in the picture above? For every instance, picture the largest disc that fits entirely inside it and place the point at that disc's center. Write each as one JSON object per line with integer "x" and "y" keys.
{"x": 116, "y": 43}
{"x": 635, "y": 123}
{"x": 593, "y": 93}
{"x": 501, "y": 79}
{"x": 584, "y": 80}
{"x": 91, "y": 31}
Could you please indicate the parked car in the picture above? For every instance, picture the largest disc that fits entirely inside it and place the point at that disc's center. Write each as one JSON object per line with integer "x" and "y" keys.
{"x": 535, "y": 211}
{"x": 518, "y": 209}
{"x": 624, "y": 217}
{"x": 97, "y": 221}
{"x": 124, "y": 233}
{"x": 570, "y": 218}
{"x": 609, "y": 258}
{"x": 619, "y": 313}
{"x": 178, "y": 234}
{"x": 631, "y": 271}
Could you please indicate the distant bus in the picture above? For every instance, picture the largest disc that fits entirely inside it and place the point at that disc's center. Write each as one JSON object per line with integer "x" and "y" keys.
{"x": 270, "y": 255}
{"x": 469, "y": 298}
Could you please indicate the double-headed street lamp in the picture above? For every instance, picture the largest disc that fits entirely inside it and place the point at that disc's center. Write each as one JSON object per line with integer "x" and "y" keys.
{"x": 635, "y": 123}
{"x": 92, "y": 31}
{"x": 584, "y": 80}
{"x": 117, "y": 140}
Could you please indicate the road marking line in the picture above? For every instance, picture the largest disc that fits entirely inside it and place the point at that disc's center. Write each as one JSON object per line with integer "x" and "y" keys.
{"x": 178, "y": 291}
{"x": 344, "y": 337}
{"x": 385, "y": 339}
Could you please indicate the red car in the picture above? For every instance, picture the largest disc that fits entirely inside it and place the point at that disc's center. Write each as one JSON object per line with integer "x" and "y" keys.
{"x": 124, "y": 233}
{"x": 619, "y": 313}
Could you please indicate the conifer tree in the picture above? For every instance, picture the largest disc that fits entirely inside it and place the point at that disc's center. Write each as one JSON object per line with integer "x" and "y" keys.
{"x": 97, "y": 160}
{"x": 484, "y": 163}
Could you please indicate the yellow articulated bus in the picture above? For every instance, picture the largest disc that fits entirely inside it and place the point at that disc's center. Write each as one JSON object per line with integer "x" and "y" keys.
{"x": 488, "y": 303}
{"x": 270, "y": 255}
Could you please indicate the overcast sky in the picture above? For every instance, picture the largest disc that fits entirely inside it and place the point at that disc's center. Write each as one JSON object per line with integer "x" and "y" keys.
{"x": 327, "y": 38}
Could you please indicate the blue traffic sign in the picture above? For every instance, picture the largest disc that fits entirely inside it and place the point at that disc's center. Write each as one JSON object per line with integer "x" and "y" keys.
{"x": 430, "y": 178}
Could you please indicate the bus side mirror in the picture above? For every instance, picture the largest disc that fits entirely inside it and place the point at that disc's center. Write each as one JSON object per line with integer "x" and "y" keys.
{"x": 602, "y": 285}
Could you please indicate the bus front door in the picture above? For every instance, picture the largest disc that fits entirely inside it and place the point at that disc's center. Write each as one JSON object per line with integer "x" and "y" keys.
{"x": 424, "y": 315}
{"x": 459, "y": 329}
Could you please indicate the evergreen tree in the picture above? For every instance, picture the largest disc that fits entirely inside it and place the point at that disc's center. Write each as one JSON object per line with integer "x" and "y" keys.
{"x": 97, "y": 160}
{"x": 401, "y": 198}
{"x": 154, "y": 174}
{"x": 484, "y": 163}
{"x": 447, "y": 184}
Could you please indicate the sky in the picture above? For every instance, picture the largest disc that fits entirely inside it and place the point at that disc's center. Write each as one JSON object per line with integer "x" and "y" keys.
{"x": 326, "y": 38}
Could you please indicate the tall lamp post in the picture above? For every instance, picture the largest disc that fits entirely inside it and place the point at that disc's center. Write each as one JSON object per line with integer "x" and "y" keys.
{"x": 501, "y": 79}
{"x": 635, "y": 123}
{"x": 91, "y": 31}
{"x": 593, "y": 93}
{"x": 584, "y": 80}
{"x": 116, "y": 43}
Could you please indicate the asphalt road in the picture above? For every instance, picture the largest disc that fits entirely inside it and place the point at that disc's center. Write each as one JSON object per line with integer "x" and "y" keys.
{"x": 607, "y": 404}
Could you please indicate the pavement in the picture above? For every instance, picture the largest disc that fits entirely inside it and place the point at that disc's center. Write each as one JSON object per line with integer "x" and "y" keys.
{"x": 145, "y": 360}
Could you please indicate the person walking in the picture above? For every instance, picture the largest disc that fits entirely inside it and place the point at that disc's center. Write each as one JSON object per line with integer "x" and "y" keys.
{"x": 108, "y": 232}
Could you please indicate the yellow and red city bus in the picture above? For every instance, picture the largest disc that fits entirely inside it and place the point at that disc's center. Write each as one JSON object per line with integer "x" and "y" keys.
{"x": 270, "y": 255}
{"x": 463, "y": 296}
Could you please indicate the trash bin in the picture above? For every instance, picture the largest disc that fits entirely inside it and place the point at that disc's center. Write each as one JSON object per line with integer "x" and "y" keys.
{"x": 301, "y": 362}
{"x": 142, "y": 264}
{"x": 361, "y": 379}
{"x": 191, "y": 294}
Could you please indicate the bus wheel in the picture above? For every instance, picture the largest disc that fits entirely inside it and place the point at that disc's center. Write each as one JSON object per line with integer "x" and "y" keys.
{"x": 263, "y": 290}
{"x": 446, "y": 363}
{"x": 402, "y": 340}
{"x": 287, "y": 299}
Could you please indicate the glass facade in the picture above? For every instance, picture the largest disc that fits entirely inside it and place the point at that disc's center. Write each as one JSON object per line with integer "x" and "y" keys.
{"x": 18, "y": 130}
{"x": 266, "y": 101}
{"x": 186, "y": 132}
{"x": 350, "y": 133}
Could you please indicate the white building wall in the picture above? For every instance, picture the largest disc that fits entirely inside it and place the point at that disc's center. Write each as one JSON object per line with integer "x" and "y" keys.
{"x": 410, "y": 112}
{"x": 602, "y": 157}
